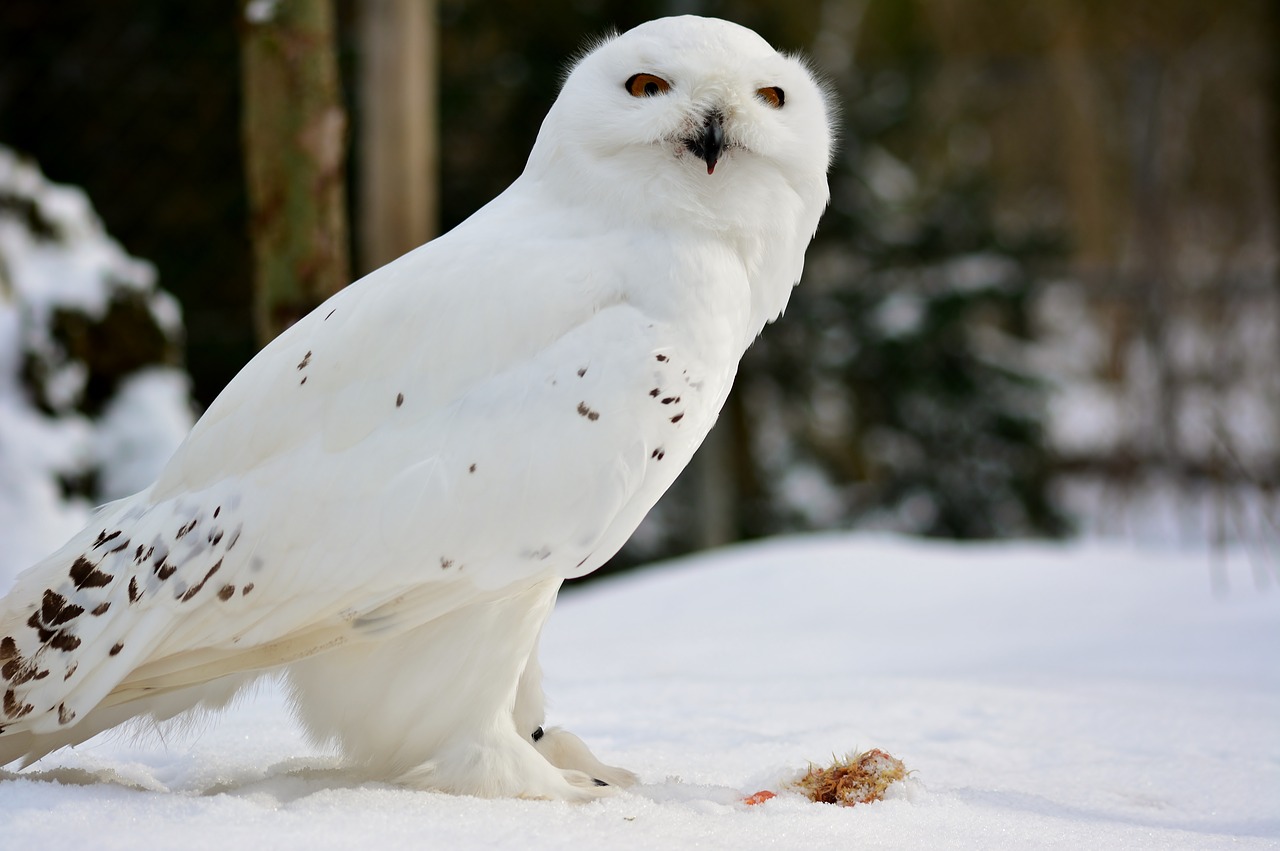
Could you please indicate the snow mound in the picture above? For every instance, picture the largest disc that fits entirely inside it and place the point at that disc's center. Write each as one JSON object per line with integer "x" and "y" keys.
{"x": 91, "y": 400}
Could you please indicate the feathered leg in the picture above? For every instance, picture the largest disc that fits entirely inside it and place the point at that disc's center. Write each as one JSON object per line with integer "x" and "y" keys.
{"x": 560, "y": 747}
{"x": 434, "y": 706}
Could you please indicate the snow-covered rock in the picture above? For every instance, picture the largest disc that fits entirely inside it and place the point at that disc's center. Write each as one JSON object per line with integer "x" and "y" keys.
{"x": 92, "y": 401}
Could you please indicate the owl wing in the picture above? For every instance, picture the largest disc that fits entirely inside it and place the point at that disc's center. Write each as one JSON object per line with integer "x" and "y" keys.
{"x": 405, "y": 450}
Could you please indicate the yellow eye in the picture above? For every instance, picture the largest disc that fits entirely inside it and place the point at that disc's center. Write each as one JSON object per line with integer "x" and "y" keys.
{"x": 646, "y": 85}
{"x": 772, "y": 95}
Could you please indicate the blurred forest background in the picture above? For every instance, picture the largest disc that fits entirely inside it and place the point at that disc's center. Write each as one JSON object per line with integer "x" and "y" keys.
{"x": 1045, "y": 298}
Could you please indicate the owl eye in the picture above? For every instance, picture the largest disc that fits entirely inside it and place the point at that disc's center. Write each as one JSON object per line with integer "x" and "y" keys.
{"x": 772, "y": 95}
{"x": 646, "y": 85}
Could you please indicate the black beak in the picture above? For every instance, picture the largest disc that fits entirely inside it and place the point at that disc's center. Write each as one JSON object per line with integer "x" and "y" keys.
{"x": 710, "y": 144}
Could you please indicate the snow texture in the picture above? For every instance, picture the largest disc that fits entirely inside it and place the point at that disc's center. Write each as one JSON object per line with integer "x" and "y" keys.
{"x": 55, "y": 255}
{"x": 1044, "y": 696}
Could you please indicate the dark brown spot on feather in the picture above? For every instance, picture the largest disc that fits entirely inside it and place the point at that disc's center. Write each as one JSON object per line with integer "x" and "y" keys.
{"x": 668, "y": 400}
{"x": 582, "y": 372}
{"x": 678, "y": 417}
{"x": 85, "y": 574}
{"x": 583, "y": 410}
{"x": 101, "y": 609}
{"x": 662, "y": 358}
{"x": 65, "y": 715}
{"x": 246, "y": 589}
{"x": 71, "y": 670}
{"x": 116, "y": 648}
{"x": 13, "y": 708}
{"x": 471, "y": 469}
{"x": 65, "y": 641}
{"x": 216, "y": 512}
{"x": 235, "y": 536}
{"x": 303, "y": 381}
{"x": 134, "y": 594}
{"x": 655, "y": 392}
{"x": 195, "y": 589}
{"x": 182, "y": 533}
{"x": 51, "y": 606}
{"x": 306, "y": 359}
{"x": 658, "y": 454}
{"x": 41, "y": 632}
{"x": 13, "y": 669}
{"x": 17, "y": 671}
{"x": 226, "y": 592}
{"x": 399, "y": 399}
{"x": 55, "y": 610}
{"x": 163, "y": 569}
{"x": 117, "y": 549}
{"x": 103, "y": 538}
{"x": 445, "y": 563}
{"x": 8, "y": 649}
{"x": 137, "y": 557}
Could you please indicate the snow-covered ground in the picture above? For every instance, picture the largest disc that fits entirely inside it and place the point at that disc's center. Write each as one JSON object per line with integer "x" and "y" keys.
{"x": 1069, "y": 697}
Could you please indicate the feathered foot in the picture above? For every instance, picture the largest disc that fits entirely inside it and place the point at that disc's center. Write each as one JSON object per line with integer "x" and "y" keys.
{"x": 566, "y": 751}
{"x": 505, "y": 766}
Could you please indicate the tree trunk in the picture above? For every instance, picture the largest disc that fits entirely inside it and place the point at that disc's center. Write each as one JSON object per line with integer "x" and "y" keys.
{"x": 716, "y": 504}
{"x": 397, "y": 127}
{"x": 295, "y": 151}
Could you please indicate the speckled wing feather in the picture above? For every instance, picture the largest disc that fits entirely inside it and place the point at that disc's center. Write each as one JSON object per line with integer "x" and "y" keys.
{"x": 398, "y": 453}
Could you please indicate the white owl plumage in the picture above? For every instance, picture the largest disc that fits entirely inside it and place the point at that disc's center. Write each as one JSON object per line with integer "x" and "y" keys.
{"x": 383, "y": 504}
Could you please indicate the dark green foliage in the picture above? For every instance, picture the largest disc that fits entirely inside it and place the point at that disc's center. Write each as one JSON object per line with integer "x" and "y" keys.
{"x": 911, "y": 326}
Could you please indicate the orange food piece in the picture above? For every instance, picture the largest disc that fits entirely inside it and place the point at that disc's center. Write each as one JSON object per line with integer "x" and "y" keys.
{"x": 758, "y": 798}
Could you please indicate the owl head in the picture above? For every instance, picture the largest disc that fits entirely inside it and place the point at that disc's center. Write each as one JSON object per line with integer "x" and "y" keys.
{"x": 694, "y": 123}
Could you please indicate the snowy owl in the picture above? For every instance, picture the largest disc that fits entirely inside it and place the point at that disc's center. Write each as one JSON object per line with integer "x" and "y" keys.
{"x": 382, "y": 505}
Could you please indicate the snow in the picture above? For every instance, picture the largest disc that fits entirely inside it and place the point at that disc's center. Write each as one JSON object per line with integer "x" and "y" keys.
{"x": 139, "y": 429}
{"x": 55, "y": 255}
{"x": 261, "y": 11}
{"x": 1045, "y": 696}
{"x": 34, "y": 449}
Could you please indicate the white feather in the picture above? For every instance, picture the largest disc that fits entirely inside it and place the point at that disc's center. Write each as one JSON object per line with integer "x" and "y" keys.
{"x": 384, "y": 502}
